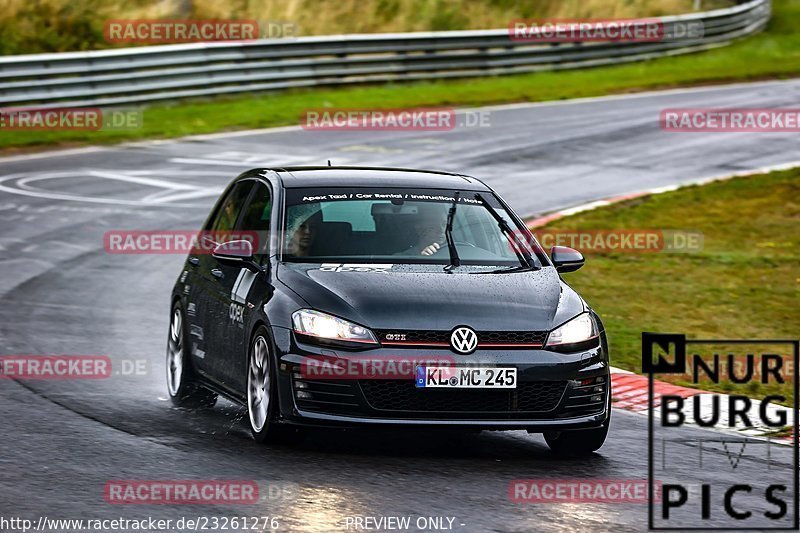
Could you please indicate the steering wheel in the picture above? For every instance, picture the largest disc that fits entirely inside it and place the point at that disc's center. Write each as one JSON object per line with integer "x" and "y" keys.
{"x": 444, "y": 248}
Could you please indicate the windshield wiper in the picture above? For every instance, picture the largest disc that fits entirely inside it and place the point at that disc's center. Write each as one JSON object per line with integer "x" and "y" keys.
{"x": 448, "y": 234}
{"x": 522, "y": 252}
{"x": 510, "y": 270}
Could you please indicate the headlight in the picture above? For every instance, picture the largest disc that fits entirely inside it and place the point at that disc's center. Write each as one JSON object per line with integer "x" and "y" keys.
{"x": 579, "y": 333}
{"x": 325, "y": 327}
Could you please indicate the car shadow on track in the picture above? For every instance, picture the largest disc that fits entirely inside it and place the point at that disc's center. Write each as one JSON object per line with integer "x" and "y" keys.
{"x": 228, "y": 422}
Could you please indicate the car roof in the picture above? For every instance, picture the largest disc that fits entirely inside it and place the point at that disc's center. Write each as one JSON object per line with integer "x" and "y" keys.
{"x": 343, "y": 176}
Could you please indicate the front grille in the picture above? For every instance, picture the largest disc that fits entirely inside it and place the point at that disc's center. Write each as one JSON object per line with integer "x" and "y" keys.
{"x": 400, "y": 337}
{"x": 403, "y": 395}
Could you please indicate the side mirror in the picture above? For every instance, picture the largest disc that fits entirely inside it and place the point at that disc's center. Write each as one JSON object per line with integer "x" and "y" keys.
{"x": 237, "y": 253}
{"x": 566, "y": 259}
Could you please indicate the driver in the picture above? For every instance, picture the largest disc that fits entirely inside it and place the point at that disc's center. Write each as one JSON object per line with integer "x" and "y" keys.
{"x": 429, "y": 228}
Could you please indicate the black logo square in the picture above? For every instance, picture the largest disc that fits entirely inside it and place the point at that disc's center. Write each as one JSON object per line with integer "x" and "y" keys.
{"x": 658, "y": 344}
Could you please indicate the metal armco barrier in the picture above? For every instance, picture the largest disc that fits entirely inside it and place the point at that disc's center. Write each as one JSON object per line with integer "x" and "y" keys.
{"x": 145, "y": 74}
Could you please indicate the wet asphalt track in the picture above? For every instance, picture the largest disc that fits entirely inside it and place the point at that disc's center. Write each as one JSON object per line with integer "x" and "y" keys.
{"x": 60, "y": 442}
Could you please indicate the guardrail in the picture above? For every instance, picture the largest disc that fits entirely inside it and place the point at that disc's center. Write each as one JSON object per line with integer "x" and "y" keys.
{"x": 145, "y": 74}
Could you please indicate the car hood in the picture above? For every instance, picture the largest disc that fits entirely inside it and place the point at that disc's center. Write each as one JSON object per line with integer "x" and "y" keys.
{"x": 425, "y": 297}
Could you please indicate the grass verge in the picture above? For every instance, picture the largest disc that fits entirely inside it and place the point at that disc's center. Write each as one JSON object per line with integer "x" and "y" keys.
{"x": 774, "y": 53}
{"x": 745, "y": 283}
{"x": 28, "y": 27}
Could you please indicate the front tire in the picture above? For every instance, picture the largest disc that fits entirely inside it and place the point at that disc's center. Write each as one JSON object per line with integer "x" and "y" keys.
{"x": 577, "y": 443}
{"x": 262, "y": 394}
{"x": 181, "y": 384}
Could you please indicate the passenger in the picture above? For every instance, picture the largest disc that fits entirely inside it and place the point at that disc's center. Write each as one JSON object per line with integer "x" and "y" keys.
{"x": 302, "y": 231}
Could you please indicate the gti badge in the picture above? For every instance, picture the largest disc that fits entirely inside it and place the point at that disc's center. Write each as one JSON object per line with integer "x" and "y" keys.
{"x": 464, "y": 340}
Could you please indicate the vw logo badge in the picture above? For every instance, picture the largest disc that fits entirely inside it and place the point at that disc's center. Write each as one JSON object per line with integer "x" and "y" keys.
{"x": 464, "y": 340}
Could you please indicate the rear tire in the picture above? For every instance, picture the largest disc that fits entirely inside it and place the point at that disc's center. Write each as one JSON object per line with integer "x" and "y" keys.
{"x": 183, "y": 389}
{"x": 262, "y": 394}
{"x": 577, "y": 443}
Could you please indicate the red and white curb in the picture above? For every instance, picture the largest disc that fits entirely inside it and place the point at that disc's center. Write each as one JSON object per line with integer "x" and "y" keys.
{"x": 629, "y": 391}
{"x": 550, "y": 217}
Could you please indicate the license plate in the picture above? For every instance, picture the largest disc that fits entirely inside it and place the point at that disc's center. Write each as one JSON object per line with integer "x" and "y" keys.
{"x": 465, "y": 377}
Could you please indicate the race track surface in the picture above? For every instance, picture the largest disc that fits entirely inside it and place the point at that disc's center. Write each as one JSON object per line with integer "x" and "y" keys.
{"x": 63, "y": 294}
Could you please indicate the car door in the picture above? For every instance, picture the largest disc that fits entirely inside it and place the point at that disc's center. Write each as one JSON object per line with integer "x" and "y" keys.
{"x": 240, "y": 290}
{"x": 217, "y": 278}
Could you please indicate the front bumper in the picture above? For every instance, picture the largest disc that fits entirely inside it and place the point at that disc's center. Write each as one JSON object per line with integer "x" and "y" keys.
{"x": 554, "y": 391}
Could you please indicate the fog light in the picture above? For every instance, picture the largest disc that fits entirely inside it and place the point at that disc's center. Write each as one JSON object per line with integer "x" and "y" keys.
{"x": 596, "y": 398}
{"x": 300, "y": 385}
{"x": 303, "y": 395}
{"x": 598, "y": 389}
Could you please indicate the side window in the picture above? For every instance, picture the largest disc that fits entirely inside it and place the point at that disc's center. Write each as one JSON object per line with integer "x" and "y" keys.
{"x": 256, "y": 217}
{"x": 225, "y": 219}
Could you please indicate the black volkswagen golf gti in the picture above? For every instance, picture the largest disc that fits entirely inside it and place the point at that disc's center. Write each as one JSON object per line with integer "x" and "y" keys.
{"x": 348, "y": 296}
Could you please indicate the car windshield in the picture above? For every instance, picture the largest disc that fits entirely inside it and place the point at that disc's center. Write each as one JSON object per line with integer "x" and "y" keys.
{"x": 356, "y": 225}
